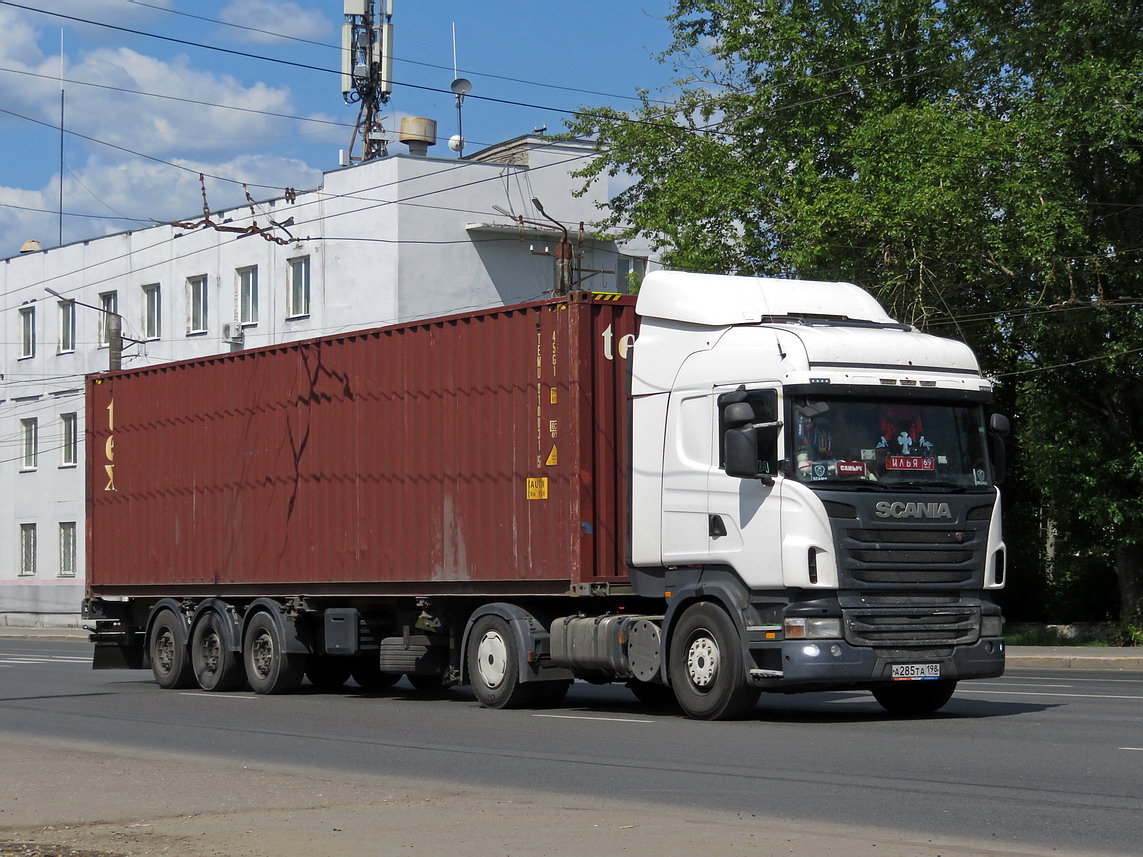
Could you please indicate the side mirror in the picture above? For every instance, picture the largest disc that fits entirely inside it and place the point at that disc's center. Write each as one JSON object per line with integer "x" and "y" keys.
{"x": 998, "y": 428}
{"x": 742, "y": 449}
{"x": 737, "y": 415}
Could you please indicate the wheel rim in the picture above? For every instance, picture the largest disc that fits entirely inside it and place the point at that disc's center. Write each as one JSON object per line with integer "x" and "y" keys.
{"x": 702, "y": 661}
{"x": 492, "y": 659}
{"x": 262, "y": 655}
{"x": 165, "y": 651}
{"x": 211, "y": 651}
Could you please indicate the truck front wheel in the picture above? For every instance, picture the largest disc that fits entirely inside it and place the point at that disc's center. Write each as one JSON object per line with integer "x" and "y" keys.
{"x": 706, "y": 667}
{"x": 914, "y": 698}
{"x": 167, "y": 649}
{"x": 493, "y": 665}
{"x": 269, "y": 667}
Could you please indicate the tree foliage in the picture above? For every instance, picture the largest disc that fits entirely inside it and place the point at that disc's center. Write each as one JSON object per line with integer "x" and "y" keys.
{"x": 975, "y": 164}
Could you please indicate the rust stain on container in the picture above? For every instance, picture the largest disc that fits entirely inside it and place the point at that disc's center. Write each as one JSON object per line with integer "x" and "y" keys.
{"x": 400, "y": 459}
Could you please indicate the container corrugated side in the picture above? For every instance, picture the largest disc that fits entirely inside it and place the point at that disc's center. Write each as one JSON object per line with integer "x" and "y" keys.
{"x": 480, "y": 453}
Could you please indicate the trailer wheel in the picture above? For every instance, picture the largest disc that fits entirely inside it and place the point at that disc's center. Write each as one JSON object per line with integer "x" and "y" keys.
{"x": 914, "y": 698}
{"x": 328, "y": 673}
{"x": 706, "y": 666}
{"x": 167, "y": 649}
{"x": 269, "y": 667}
{"x": 367, "y": 673}
{"x": 216, "y": 667}
{"x": 492, "y": 665}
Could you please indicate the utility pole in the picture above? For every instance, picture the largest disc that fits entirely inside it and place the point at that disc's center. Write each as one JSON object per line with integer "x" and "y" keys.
{"x": 367, "y": 70}
{"x": 563, "y": 253}
{"x": 114, "y": 328}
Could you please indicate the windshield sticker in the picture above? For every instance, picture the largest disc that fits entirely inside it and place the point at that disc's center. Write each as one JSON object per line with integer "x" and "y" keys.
{"x": 910, "y": 462}
{"x": 851, "y": 468}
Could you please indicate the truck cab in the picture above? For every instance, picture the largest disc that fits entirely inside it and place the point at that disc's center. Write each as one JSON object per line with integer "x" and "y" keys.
{"x": 825, "y": 474}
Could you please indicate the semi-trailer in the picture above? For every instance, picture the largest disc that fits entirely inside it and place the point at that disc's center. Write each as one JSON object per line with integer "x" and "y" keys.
{"x": 724, "y": 486}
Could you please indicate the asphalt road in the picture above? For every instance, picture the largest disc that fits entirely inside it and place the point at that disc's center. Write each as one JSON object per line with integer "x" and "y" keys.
{"x": 1037, "y": 758}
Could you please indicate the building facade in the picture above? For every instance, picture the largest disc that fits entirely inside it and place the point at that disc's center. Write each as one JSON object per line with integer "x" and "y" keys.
{"x": 392, "y": 240}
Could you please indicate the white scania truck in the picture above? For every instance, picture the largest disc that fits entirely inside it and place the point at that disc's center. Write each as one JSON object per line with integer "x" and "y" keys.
{"x": 731, "y": 485}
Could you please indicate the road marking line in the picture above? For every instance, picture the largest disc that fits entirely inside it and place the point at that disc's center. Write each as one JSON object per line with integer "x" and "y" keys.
{"x": 579, "y": 717}
{"x": 971, "y": 691}
{"x": 1140, "y": 749}
{"x": 206, "y": 695}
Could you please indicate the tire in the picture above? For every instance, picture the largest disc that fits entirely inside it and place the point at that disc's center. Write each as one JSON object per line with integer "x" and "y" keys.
{"x": 492, "y": 665}
{"x": 329, "y": 672}
{"x": 216, "y": 667}
{"x": 706, "y": 666}
{"x": 914, "y": 698}
{"x": 653, "y": 694}
{"x": 269, "y": 667}
{"x": 167, "y": 649}
{"x": 367, "y": 673}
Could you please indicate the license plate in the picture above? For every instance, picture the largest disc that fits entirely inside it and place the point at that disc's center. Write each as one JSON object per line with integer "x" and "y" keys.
{"x": 916, "y": 672}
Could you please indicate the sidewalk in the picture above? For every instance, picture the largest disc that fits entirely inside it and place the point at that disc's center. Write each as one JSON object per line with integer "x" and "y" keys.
{"x": 1018, "y": 657}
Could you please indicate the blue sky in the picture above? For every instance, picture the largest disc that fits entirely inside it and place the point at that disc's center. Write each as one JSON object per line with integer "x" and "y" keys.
{"x": 540, "y": 54}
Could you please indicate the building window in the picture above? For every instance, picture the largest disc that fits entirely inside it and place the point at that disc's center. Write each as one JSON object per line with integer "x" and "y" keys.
{"x": 109, "y": 301}
{"x": 27, "y": 550}
{"x": 27, "y": 332}
{"x": 67, "y": 327}
{"x": 248, "y": 295}
{"x": 196, "y": 301}
{"x": 69, "y": 424}
{"x": 29, "y": 443}
{"x": 152, "y": 311}
{"x": 67, "y": 549}
{"x": 298, "y": 299}
{"x": 629, "y": 273}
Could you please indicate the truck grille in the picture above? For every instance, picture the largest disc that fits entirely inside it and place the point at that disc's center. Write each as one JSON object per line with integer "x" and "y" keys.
{"x": 876, "y": 554}
{"x": 912, "y": 627}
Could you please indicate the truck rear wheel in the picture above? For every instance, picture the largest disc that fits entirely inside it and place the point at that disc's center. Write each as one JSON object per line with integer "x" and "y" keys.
{"x": 167, "y": 649}
{"x": 706, "y": 667}
{"x": 269, "y": 667}
{"x": 493, "y": 665}
{"x": 914, "y": 698}
{"x": 216, "y": 666}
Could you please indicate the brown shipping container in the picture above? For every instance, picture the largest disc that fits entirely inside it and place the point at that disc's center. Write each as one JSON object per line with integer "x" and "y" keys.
{"x": 483, "y": 453}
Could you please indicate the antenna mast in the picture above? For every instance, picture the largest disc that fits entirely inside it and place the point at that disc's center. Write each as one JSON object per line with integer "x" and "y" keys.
{"x": 367, "y": 70}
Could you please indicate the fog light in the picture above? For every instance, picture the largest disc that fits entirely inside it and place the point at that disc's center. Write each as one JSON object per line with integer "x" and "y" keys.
{"x": 811, "y": 651}
{"x": 835, "y": 650}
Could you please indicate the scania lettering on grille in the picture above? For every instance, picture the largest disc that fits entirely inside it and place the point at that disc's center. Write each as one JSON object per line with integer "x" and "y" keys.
{"x": 885, "y": 509}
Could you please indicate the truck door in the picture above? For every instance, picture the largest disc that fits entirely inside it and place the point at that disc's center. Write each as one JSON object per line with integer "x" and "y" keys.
{"x": 744, "y": 513}
{"x": 708, "y": 516}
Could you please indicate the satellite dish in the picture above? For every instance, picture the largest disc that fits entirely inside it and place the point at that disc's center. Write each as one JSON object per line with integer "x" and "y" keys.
{"x": 456, "y": 143}
{"x": 461, "y": 86}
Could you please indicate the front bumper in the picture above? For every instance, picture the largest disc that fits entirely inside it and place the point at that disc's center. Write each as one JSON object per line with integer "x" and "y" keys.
{"x": 823, "y": 664}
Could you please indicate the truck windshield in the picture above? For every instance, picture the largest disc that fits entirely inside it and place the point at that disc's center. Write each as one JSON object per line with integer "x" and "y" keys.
{"x": 889, "y": 443}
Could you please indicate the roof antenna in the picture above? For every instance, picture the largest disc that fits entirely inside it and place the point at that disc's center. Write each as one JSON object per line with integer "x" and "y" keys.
{"x": 460, "y": 87}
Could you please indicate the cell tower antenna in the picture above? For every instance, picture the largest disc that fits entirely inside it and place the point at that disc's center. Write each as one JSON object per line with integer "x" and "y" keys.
{"x": 367, "y": 71}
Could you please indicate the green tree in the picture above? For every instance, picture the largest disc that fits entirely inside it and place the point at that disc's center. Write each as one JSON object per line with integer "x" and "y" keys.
{"x": 975, "y": 164}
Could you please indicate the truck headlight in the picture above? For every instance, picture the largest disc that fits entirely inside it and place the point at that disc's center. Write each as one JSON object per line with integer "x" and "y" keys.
{"x": 813, "y": 628}
{"x": 991, "y": 626}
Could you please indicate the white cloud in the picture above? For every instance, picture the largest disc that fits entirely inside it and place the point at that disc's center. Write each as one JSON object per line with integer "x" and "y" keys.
{"x": 265, "y": 18}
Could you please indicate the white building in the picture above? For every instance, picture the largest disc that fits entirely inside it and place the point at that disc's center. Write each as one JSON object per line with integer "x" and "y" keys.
{"x": 395, "y": 239}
